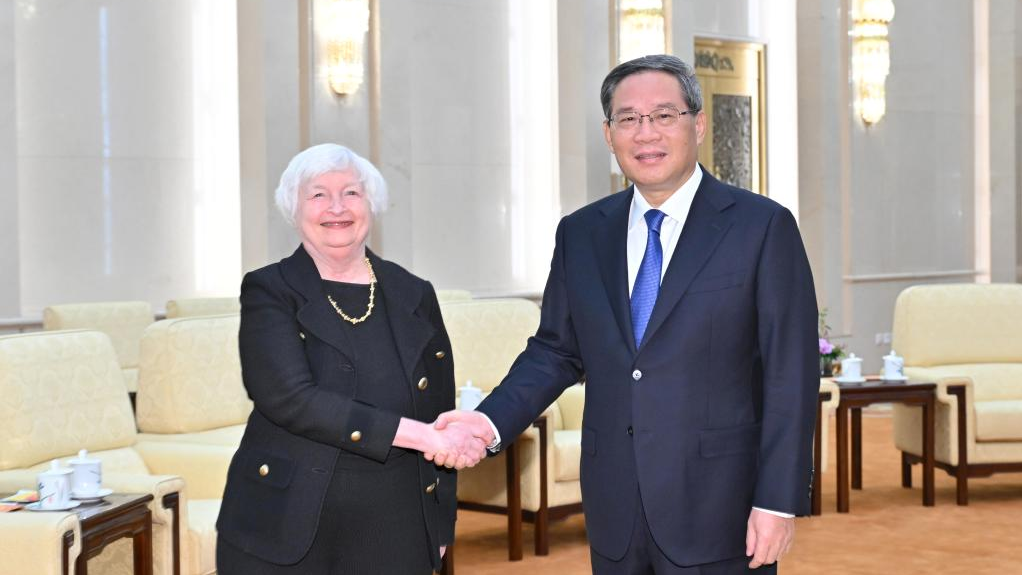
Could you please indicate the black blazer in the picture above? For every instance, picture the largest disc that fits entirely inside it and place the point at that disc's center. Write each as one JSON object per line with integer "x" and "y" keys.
{"x": 292, "y": 352}
{"x": 715, "y": 412}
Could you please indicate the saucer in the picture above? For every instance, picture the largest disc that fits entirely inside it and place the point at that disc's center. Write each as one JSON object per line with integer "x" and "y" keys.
{"x": 849, "y": 379}
{"x": 895, "y": 378}
{"x": 94, "y": 497}
{"x": 37, "y": 507}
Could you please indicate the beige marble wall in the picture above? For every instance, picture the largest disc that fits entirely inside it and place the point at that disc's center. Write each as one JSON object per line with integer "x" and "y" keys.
{"x": 893, "y": 204}
{"x": 10, "y": 277}
{"x": 127, "y": 166}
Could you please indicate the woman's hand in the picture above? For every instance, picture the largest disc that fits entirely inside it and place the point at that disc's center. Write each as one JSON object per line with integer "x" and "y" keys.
{"x": 455, "y": 446}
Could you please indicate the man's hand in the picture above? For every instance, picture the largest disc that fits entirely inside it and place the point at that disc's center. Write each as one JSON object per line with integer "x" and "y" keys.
{"x": 768, "y": 537}
{"x": 476, "y": 421}
{"x": 454, "y": 446}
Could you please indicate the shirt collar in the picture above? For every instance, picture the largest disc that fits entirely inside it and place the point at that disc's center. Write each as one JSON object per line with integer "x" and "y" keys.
{"x": 675, "y": 207}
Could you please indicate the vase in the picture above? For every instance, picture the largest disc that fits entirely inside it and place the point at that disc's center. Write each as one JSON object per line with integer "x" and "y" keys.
{"x": 827, "y": 367}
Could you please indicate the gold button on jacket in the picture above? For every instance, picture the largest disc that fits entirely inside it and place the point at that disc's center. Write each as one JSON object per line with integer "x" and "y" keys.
{"x": 439, "y": 355}
{"x": 264, "y": 470}
{"x": 431, "y": 487}
{"x": 356, "y": 435}
{"x": 423, "y": 383}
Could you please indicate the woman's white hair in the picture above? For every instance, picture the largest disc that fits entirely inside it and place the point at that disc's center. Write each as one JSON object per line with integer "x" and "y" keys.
{"x": 317, "y": 160}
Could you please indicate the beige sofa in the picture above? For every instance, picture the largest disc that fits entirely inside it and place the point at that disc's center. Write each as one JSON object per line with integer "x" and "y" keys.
{"x": 122, "y": 321}
{"x": 967, "y": 339}
{"x": 190, "y": 383}
{"x": 190, "y": 307}
{"x": 39, "y": 543}
{"x": 63, "y": 391}
{"x": 486, "y": 337}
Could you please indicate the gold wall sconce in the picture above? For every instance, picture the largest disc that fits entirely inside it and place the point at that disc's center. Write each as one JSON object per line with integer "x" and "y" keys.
{"x": 346, "y": 24}
{"x": 642, "y": 29}
{"x": 870, "y": 56}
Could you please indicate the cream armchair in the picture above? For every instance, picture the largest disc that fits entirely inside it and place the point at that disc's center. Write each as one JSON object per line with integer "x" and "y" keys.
{"x": 452, "y": 295}
{"x": 62, "y": 392}
{"x": 190, "y": 382}
{"x": 967, "y": 339}
{"x": 486, "y": 337}
{"x": 39, "y": 543}
{"x": 122, "y": 321}
{"x": 196, "y": 306}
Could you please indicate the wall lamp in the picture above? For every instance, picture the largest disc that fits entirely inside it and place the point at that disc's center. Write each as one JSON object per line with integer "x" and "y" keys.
{"x": 347, "y": 22}
{"x": 870, "y": 56}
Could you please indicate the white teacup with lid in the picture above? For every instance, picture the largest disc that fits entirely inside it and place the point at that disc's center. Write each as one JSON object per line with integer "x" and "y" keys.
{"x": 852, "y": 367}
{"x": 88, "y": 475}
{"x": 469, "y": 397}
{"x": 55, "y": 487}
{"x": 893, "y": 365}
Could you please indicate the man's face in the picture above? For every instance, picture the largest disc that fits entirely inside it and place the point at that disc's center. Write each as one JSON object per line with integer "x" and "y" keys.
{"x": 657, "y": 159}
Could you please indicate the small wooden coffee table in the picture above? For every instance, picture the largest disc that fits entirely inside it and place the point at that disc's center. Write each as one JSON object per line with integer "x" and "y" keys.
{"x": 116, "y": 516}
{"x": 855, "y": 396}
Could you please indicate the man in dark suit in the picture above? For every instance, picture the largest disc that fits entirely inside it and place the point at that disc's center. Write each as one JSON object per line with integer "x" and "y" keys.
{"x": 689, "y": 306}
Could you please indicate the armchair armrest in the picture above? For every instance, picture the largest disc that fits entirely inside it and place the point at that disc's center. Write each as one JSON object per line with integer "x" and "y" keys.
{"x": 14, "y": 479}
{"x": 39, "y": 543}
{"x": 203, "y": 467}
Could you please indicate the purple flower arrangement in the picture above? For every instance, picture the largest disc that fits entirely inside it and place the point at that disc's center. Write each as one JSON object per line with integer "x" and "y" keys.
{"x": 829, "y": 352}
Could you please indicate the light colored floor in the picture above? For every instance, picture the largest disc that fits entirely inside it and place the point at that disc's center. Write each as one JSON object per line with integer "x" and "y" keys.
{"x": 886, "y": 531}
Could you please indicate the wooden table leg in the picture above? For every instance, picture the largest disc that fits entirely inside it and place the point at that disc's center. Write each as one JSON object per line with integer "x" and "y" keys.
{"x": 142, "y": 543}
{"x": 842, "y": 437}
{"x": 857, "y": 448}
{"x": 815, "y": 498}
{"x": 928, "y": 437}
{"x": 514, "y": 503}
{"x": 907, "y": 471}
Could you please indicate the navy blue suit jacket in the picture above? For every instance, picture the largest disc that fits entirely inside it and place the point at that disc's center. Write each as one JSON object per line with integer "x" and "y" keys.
{"x": 714, "y": 413}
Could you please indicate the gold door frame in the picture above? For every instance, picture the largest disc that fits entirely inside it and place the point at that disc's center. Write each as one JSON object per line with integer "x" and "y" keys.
{"x": 732, "y": 68}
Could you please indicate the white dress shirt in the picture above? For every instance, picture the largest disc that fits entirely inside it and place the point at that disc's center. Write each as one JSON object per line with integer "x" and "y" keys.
{"x": 676, "y": 210}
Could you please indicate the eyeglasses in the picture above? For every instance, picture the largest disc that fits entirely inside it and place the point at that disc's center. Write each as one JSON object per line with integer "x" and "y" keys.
{"x": 661, "y": 117}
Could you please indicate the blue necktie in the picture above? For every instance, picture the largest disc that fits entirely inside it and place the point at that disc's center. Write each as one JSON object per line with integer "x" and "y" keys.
{"x": 648, "y": 280}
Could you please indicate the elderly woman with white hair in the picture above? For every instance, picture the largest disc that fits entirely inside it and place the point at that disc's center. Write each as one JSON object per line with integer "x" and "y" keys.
{"x": 346, "y": 359}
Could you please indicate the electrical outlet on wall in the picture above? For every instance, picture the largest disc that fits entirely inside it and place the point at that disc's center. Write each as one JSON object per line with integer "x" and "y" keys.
{"x": 886, "y": 338}
{"x": 878, "y": 339}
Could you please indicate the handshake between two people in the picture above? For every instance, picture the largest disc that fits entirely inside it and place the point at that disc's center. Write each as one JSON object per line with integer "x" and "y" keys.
{"x": 457, "y": 439}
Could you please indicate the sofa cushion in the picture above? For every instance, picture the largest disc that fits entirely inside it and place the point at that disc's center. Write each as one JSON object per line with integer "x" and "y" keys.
{"x": 230, "y": 436}
{"x": 999, "y": 420}
{"x": 190, "y": 376}
{"x": 199, "y": 306}
{"x": 566, "y": 454}
{"x": 959, "y": 324}
{"x": 62, "y": 391}
{"x": 487, "y": 336}
{"x": 131, "y": 378}
{"x": 123, "y": 321}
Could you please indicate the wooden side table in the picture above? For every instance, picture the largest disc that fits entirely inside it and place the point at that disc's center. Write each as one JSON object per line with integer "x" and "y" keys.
{"x": 117, "y": 516}
{"x": 854, "y": 397}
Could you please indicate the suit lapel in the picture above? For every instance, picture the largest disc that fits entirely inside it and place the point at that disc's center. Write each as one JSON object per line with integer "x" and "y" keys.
{"x": 404, "y": 295}
{"x": 610, "y": 244}
{"x": 317, "y": 315}
{"x": 706, "y": 224}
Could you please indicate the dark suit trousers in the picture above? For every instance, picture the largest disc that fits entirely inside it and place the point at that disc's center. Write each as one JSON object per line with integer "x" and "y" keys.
{"x": 644, "y": 557}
